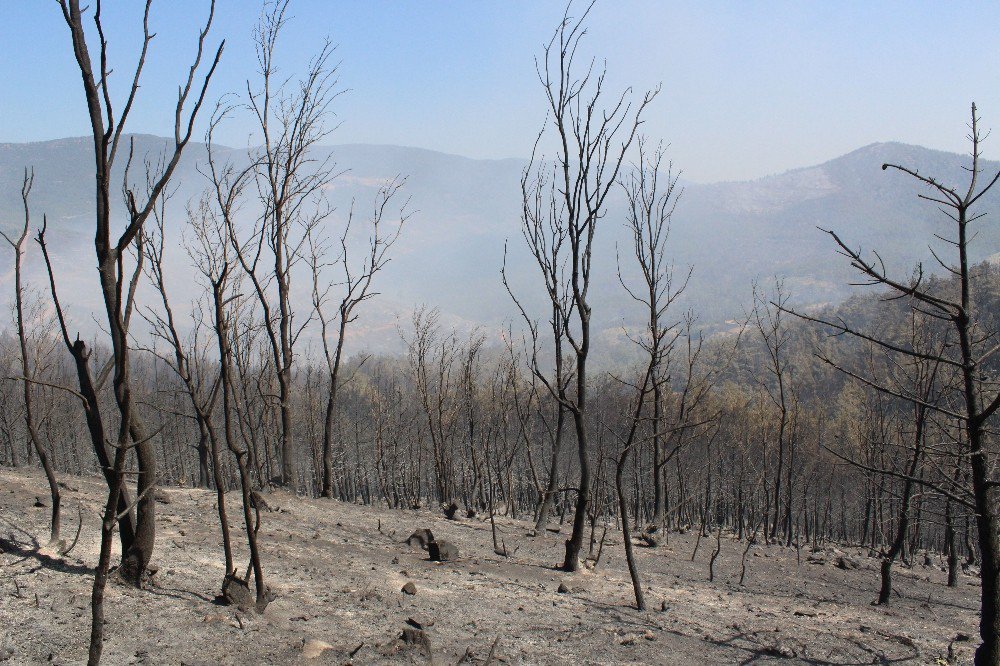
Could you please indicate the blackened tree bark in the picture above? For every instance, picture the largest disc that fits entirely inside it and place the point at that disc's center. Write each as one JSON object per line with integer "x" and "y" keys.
{"x": 108, "y": 132}
{"x": 924, "y": 385}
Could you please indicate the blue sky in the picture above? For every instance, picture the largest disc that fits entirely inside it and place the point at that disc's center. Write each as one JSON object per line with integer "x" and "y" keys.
{"x": 749, "y": 88}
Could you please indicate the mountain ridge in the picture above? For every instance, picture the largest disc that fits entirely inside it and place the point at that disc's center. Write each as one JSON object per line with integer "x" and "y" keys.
{"x": 464, "y": 211}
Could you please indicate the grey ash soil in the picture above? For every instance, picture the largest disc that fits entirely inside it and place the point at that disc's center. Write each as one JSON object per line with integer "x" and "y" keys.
{"x": 338, "y": 580}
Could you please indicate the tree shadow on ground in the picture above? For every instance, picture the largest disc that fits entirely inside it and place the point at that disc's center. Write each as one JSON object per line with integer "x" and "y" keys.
{"x": 32, "y": 549}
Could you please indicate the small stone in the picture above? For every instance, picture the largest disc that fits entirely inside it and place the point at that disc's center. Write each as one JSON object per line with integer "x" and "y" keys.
{"x": 409, "y": 588}
{"x": 846, "y": 562}
{"x": 6, "y": 653}
{"x": 420, "y": 538}
{"x": 451, "y": 511}
{"x": 563, "y": 588}
{"x": 237, "y": 593}
{"x": 649, "y": 635}
{"x": 780, "y": 650}
{"x": 313, "y": 648}
{"x": 40, "y": 503}
{"x": 419, "y": 622}
{"x": 442, "y": 551}
{"x": 417, "y": 638}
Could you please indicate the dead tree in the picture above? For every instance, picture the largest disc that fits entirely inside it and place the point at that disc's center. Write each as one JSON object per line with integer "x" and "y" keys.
{"x": 213, "y": 225}
{"x": 977, "y": 397}
{"x": 642, "y": 392}
{"x": 28, "y": 373}
{"x": 250, "y": 509}
{"x": 545, "y": 236}
{"x": 432, "y": 356}
{"x": 356, "y": 286}
{"x": 592, "y": 140}
{"x": 923, "y": 381}
{"x": 108, "y": 132}
{"x": 651, "y": 205}
{"x": 652, "y": 198}
{"x": 777, "y": 385}
{"x": 290, "y": 181}
{"x": 201, "y": 387}
{"x": 88, "y": 396}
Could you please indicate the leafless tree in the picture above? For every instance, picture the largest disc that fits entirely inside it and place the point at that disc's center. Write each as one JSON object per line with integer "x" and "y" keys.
{"x": 108, "y": 132}
{"x": 776, "y": 382}
{"x": 213, "y": 225}
{"x": 432, "y": 356}
{"x": 355, "y": 286}
{"x": 651, "y": 205}
{"x": 290, "y": 181}
{"x": 924, "y": 382}
{"x": 201, "y": 386}
{"x": 652, "y": 198}
{"x": 978, "y": 398}
{"x": 593, "y": 140}
{"x": 28, "y": 372}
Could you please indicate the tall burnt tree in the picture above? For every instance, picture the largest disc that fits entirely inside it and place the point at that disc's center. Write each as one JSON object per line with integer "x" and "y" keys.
{"x": 652, "y": 197}
{"x": 974, "y": 343}
{"x": 212, "y": 224}
{"x": 593, "y": 137}
{"x": 776, "y": 382}
{"x": 356, "y": 288}
{"x": 28, "y": 371}
{"x": 108, "y": 134}
{"x": 290, "y": 182}
{"x": 923, "y": 383}
{"x": 201, "y": 384}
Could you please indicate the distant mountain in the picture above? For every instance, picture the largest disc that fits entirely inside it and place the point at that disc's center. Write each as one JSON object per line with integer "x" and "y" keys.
{"x": 464, "y": 210}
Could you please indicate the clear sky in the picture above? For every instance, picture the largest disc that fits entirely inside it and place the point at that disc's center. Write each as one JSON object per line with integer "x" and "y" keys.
{"x": 749, "y": 88}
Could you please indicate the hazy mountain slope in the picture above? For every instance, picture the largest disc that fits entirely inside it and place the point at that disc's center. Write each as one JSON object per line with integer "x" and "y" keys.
{"x": 463, "y": 210}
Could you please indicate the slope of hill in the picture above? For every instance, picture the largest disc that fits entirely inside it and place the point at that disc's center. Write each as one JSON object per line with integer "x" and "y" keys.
{"x": 338, "y": 569}
{"x": 465, "y": 210}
